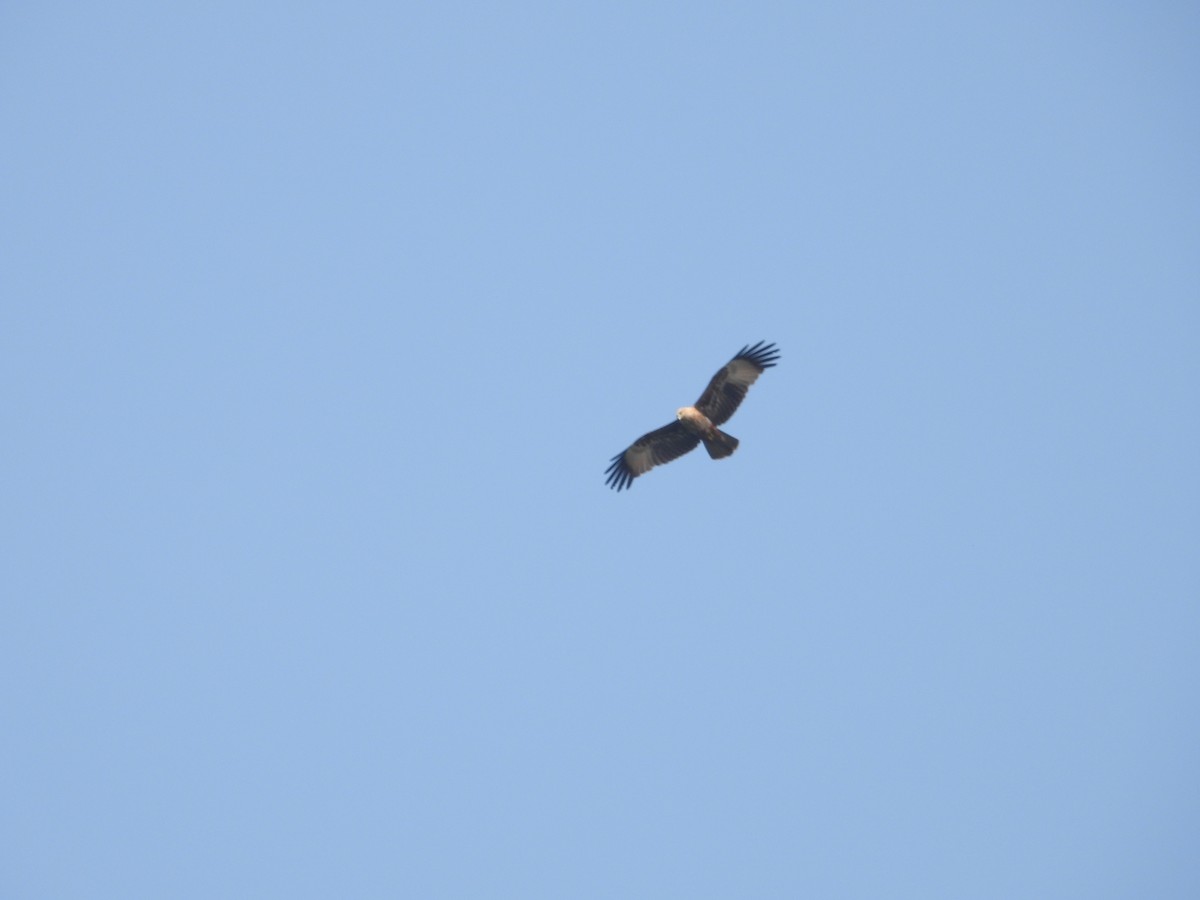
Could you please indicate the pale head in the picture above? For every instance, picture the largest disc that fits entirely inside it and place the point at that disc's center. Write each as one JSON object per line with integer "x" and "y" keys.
{"x": 693, "y": 418}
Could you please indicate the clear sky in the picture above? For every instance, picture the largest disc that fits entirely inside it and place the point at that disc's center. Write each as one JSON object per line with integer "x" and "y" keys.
{"x": 320, "y": 322}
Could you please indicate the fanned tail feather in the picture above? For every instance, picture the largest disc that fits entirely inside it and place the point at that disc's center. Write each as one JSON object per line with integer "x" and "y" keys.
{"x": 719, "y": 444}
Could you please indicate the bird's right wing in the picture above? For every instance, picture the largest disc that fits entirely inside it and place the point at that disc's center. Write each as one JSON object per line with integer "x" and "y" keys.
{"x": 659, "y": 446}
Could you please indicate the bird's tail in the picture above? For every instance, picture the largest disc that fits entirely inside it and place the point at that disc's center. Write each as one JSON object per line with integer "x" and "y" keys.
{"x": 719, "y": 444}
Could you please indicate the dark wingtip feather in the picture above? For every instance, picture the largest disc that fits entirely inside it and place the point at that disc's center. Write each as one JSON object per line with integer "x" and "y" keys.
{"x": 619, "y": 477}
{"x": 761, "y": 354}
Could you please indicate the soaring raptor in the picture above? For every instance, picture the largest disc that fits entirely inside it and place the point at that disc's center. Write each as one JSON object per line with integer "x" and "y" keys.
{"x": 696, "y": 424}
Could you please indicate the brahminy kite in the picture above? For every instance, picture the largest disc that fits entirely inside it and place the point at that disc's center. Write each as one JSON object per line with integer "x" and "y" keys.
{"x": 696, "y": 424}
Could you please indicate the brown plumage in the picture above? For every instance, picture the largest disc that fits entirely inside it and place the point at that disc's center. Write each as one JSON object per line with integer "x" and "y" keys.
{"x": 696, "y": 424}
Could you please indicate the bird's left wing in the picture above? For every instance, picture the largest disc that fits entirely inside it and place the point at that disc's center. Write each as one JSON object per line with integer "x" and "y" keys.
{"x": 659, "y": 446}
{"x": 728, "y": 387}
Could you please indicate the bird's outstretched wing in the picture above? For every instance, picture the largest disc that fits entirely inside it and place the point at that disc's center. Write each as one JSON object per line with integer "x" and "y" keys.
{"x": 728, "y": 387}
{"x": 659, "y": 446}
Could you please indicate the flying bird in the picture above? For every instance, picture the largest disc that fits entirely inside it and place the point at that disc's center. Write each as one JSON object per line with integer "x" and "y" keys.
{"x": 696, "y": 424}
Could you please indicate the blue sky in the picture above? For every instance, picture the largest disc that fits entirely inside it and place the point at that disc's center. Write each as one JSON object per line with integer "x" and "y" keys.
{"x": 320, "y": 324}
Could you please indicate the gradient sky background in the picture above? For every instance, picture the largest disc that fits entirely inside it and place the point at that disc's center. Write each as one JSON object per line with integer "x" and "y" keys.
{"x": 320, "y": 324}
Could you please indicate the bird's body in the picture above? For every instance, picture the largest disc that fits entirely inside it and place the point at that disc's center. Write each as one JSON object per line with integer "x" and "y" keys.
{"x": 716, "y": 442}
{"x": 697, "y": 424}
